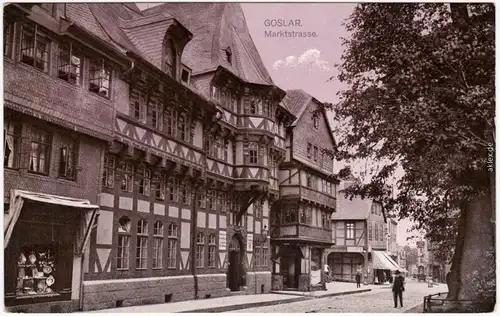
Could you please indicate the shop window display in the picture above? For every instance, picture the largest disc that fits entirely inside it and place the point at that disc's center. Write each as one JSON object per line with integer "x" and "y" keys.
{"x": 35, "y": 271}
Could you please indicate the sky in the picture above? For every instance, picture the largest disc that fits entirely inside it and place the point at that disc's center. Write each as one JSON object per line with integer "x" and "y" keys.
{"x": 304, "y": 63}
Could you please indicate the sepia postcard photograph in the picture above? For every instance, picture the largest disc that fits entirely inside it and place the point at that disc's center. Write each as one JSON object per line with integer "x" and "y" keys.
{"x": 249, "y": 157}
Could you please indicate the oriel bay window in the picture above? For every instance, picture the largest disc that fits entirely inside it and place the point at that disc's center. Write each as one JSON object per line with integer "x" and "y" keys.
{"x": 123, "y": 249}
{"x": 34, "y": 47}
{"x": 69, "y": 66}
{"x": 138, "y": 105}
{"x": 200, "y": 250}
{"x": 289, "y": 216}
{"x": 212, "y": 251}
{"x": 99, "y": 77}
{"x": 108, "y": 176}
{"x": 40, "y": 151}
{"x": 12, "y": 144}
{"x": 172, "y": 246}
{"x": 141, "y": 255}
{"x": 68, "y": 156}
{"x": 158, "y": 245}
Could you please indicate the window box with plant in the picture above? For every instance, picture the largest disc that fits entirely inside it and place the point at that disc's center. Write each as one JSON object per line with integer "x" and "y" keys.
{"x": 100, "y": 77}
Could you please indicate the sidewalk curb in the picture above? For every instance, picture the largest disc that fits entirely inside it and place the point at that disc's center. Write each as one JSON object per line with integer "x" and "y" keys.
{"x": 338, "y": 293}
{"x": 222, "y": 309}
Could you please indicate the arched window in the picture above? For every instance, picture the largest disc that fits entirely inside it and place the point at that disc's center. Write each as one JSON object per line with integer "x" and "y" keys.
{"x": 141, "y": 254}
{"x": 200, "y": 250}
{"x": 123, "y": 249}
{"x": 158, "y": 245}
{"x": 170, "y": 58}
{"x": 211, "y": 251}
{"x": 172, "y": 246}
{"x": 253, "y": 150}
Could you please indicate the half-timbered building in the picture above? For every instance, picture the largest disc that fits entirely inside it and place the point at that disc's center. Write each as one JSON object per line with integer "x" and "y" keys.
{"x": 300, "y": 222}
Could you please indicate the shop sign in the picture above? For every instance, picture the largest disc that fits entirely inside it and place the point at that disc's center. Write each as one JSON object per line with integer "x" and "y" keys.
{"x": 354, "y": 249}
{"x": 222, "y": 240}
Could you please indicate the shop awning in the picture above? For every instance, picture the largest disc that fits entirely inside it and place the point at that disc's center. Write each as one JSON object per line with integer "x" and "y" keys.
{"x": 393, "y": 262}
{"x": 89, "y": 211}
{"x": 381, "y": 261}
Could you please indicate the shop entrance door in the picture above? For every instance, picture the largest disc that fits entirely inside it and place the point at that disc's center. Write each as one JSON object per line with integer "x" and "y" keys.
{"x": 290, "y": 269}
{"x": 235, "y": 267}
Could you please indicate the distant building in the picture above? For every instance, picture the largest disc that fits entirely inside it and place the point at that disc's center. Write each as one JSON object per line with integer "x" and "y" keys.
{"x": 360, "y": 240}
{"x": 392, "y": 248}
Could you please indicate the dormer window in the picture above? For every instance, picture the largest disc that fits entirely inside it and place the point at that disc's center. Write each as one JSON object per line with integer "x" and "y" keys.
{"x": 229, "y": 55}
{"x": 170, "y": 55}
{"x": 185, "y": 76}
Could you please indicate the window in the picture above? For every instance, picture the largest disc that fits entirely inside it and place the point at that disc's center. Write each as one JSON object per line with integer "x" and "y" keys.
{"x": 376, "y": 231}
{"x": 289, "y": 216}
{"x": 161, "y": 186}
{"x": 184, "y": 193}
{"x": 69, "y": 67}
{"x": 215, "y": 93}
{"x": 201, "y": 199}
{"x": 141, "y": 254}
{"x": 316, "y": 121}
{"x": 200, "y": 250}
{"x": 158, "y": 245}
{"x": 309, "y": 181}
{"x": 68, "y": 159}
{"x": 185, "y": 76}
{"x": 7, "y": 39}
{"x": 122, "y": 256}
{"x": 108, "y": 176}
{"x": 211, "y": 199}
{"x": 229, "y": 55}
{"x": 370, "y": 231}
{"x": 153, "y": 118}
{"x": 211, "y": 251}
{"x": 181, "y": 127}
{"x": 309, "y": 150}
{"x": 265, "y": 108}
{"x": 349, "y": 227}
{"x": 99, "y": 77}
{"x": 12, "y": 144}
{"x": 325, "y": 221}
{"x": 137, "y": 104}
{"x": 173, "y": 189}
{"x": 226, "y": 151}
{"x": 303, "y": 214}
{"x": 144, "y": 175}
{"x": 34, "y": 47}
{"x": 40, "y": 151}
{"x": 172, "y": 246}
{"x": 170, "y": 58}
{"x": 170, "y": 121}
{"x": 128, "y": 176}
{"x": 252, "y": 153}
{"x": 315, "y": 153}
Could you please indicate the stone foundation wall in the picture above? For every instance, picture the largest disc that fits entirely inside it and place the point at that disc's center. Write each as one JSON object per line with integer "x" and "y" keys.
{"x": 212, "y": 285}
{"x": 261, "y": 280}
{"x": 128, "y": 292}
{"x": 304, "y": 282}
{"x": 277, "y": 282}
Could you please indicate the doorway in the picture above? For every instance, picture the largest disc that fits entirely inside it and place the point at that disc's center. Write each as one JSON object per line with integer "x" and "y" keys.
{"x": 290, "y": 269}
{"x": 235, "y": 270}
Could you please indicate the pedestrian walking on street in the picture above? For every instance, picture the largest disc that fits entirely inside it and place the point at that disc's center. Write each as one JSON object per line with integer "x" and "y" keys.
{"x": 358, "y": 279}
{"x": 397, "y": 289}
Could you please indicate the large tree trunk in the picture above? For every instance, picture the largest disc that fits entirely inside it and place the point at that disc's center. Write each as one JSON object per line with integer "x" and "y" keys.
{"x": 473, "y": 271}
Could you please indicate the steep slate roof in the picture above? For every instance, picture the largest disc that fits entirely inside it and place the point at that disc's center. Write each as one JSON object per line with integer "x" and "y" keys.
{"x": 215, "y": 27}
{"x": 296, "y": 101}
{"x": 351, "y": 209}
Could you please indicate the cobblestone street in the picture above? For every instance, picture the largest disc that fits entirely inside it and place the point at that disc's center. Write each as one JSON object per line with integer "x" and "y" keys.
{"x": 375, "y": 301}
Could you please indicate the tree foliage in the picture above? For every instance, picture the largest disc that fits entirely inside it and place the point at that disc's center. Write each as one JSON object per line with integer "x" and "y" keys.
{"x": 421, "y": 97}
